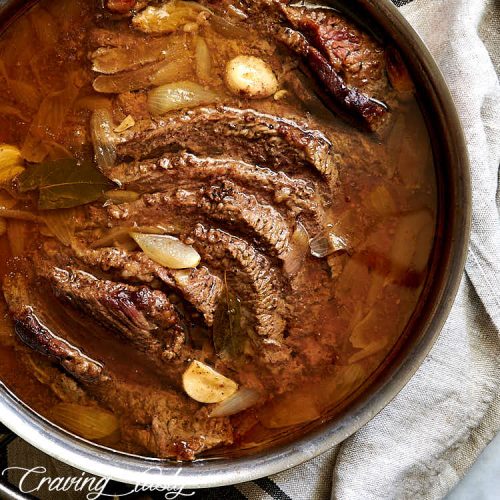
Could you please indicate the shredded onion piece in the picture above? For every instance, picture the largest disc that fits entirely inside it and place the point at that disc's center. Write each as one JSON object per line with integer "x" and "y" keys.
{"x": 89, "y": 422}
{"x": 103, "y": 138}
{"x": 228, "y": 29}
{"x": 179, "y": 95}
{"x": 243, "y": 399}
{"x": 7, "y": 109}
{"x": 118, "y": 196}
{"x": 326, "y": 243}
{"x": 110, "y": 60}
{"x": 172, "y": 71}
{"x": 167, "y": 250}
{"x": 299, "y": 247}
{"x": 20, "y": 215}
{"x": 128, "y": 122}
{"x": 203, "y": 60}
{"x": 61, "y": 223}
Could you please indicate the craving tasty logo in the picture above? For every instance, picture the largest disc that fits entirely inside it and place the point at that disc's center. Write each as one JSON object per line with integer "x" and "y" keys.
{"x": 36, "y": 480}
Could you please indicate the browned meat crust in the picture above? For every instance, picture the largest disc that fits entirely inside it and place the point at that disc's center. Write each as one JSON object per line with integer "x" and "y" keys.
{"x": 250, "y": 273}
{"x": 141, "y": 315}
{"x": 31, "y": 328}
{"x": 162, "y": 421}
{"x": 197, "y": 286}
{"x": 299, "y": 196}
{"x": 222, "y": 202}
{"x": 248, "y": 135}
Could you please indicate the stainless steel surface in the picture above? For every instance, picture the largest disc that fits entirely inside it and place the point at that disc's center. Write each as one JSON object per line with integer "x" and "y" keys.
{"x": 425, "y": 325}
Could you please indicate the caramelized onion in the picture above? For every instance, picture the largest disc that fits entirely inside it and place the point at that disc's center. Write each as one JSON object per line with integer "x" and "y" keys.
{"x": 299, "y": 247}
{"x": 7, "y": 109}
{"x": 168, "y": 17}
{"x": 241, "y": 400}
{"x": 171, "y": 71}
{"x": 61, "y": 223}
{"x": 20, "y": 215}
{"x": 10, "y": 162}
{"x": 179, "y": 95}
{"x": 167, "y": 250}
{"x": 103, "y": 138}
{"x": 203, "y": 60}
{"x": 227, "y": 28}
{"x": 110, "y": 60}
{"x": 120, "y": 196}
{"x": 90, "y": 422}
{"x": 176, "y": 66}
{"x": 205, "y": 385}
{"x": 326, "y": 243}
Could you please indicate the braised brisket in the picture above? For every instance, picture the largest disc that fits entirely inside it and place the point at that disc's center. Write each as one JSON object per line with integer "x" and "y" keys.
{"x": 262, "y": 139}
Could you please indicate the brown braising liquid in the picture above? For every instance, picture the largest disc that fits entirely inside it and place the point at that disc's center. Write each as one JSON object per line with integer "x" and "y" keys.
{"x": 385, "y": 209}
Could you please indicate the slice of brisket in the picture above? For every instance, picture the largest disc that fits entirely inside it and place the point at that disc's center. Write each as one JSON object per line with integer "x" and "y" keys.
{"x": 143, "y": 316}
{"x": 295, "y": 195}
{"x": 197, "y": 286}
{"x": 163, "y": 422}
{"x": 252, "y": 277}
{"x": 247, "y": 135}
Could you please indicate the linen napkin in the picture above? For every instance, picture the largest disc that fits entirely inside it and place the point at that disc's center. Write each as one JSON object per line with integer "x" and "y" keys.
{"x": 423, "y": 442}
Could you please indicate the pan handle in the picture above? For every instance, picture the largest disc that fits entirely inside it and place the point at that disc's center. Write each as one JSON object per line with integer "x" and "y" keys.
{"x": 8, "y": 491}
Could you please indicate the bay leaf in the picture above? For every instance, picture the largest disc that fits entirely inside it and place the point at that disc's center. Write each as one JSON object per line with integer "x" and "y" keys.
{"x": 228, "y": 337}
{"x": 64, "y": 183}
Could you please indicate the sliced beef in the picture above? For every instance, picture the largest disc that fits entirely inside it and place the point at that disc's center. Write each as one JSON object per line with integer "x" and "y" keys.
{"x": 141, "y": 315}
{"x": 134, "y": 104}
{"x": 184, "y": 208}
{"x": 197, "y": 286}
{"x": 31, "y": 327}
{"x": 102, "y": 37}
{"x": 347, "y": 101}
{"x": 125, "y": 7}
{"x": 333, "y": 49}
{"x": 163, "y": 422}
{"x": 170, "y": 170}
{"x": 247, "y": 135}
{"x": 224, "y": 202}
{"x": 253, "y": 278}
{"x": 352, "y": 53}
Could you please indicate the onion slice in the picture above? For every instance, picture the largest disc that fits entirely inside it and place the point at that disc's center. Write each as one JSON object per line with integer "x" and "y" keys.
{"x": 103, "y": 138}
{"x": 167, "y": 250}
{"x": 203, "y": 60}
{"x": 241, "y": 400}
{"x": 205, "y": 385}
{"x": 89, "y": 422}
{"x": 299, "y": 247}
{"x": 326, "y": 243}
{"x": 179, "y": 95}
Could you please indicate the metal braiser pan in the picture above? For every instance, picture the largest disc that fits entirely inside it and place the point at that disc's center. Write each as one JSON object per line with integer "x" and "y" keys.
{"x": 446, "y": 268}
